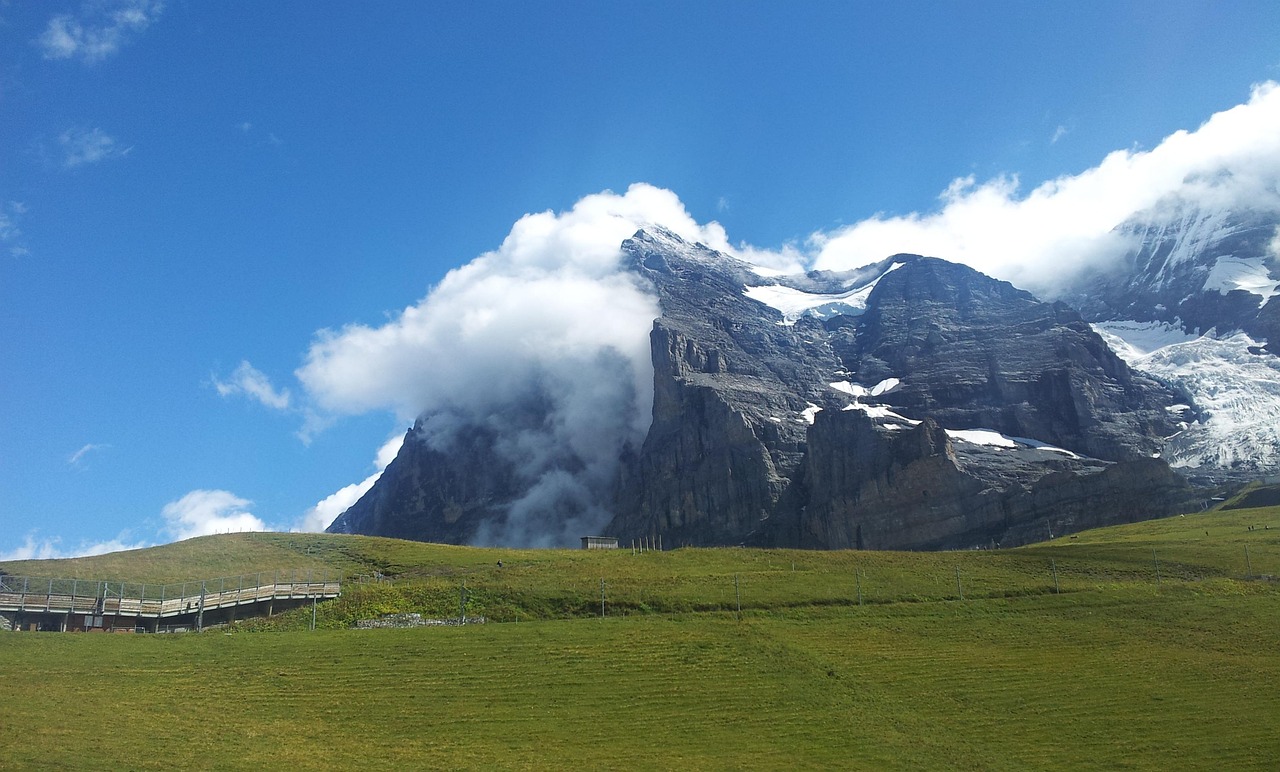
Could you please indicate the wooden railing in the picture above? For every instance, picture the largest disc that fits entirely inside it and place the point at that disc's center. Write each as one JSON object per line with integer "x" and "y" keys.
{"x": 83, "y": 596}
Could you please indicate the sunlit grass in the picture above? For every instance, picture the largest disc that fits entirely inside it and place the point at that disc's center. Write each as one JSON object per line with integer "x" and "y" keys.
{"x": 1112, "y": 669}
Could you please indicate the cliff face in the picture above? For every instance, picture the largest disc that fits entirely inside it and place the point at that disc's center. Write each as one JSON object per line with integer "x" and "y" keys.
{"x": 730, "y": 386}
{"x": 431, "y": 495}
{"x": 974, "y": 352}
{"x": 866, "y": 485}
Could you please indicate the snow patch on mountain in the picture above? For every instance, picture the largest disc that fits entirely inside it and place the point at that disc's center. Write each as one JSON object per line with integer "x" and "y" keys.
{"x": 992, "y": 438}
{"x": 1133, "y": 340}
{"x": 893, "y": 420}
{"x": 1236, "y": 273}
{"x": 1236, "y": 391}
{"x": 794, "y": 303}
{"x": 858, "y": 390}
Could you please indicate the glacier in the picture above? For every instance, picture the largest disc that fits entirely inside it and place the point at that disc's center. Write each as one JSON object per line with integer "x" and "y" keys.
{"x": 1235, "y": 387}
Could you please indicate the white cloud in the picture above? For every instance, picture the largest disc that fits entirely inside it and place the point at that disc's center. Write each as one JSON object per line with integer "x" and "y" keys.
{"x": 1058, "y": 134}
{"x": 98, "y": 30}
{"x": 204, "y": 512}
{"x": 10, "y": 233}
{"x": 8, "y": 228}
{"x": 251, "y": 382}
{"x": 554, "y": 288}
{"x": 322, "y": 515}
{"x": 88, "y": 146}
{"x": 33, "y": 548}
{"x": 79, "y": 455}
{"x": 549, "y": 319}
{"x": 1065, "y": 224}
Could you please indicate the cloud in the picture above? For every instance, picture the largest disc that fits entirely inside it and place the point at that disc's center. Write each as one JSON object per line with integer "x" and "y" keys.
{"x": 1058, "y": 134}
{"x": 1064, "y": 225}
{"x": 34, "y": 548}
{"x": 88, "y": 146}
{"x": 322, "y": 515}
{"x": 550, "y": 322}
{"x": 79, "y": 455}
{"x": 204, "y": 512}
{"x": 98, "y": 30}
{"x": 252, "y": 383}
{"x": 10, "y": 232}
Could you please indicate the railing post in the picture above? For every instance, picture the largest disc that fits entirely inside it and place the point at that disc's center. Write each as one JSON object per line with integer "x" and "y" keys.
{"x": 200, "y": 613}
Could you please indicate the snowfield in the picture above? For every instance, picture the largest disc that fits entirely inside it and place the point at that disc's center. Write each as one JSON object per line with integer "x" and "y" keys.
{"x": 1236, "y": 392}
{"x": 1248, "y": 274}
{"x": 794, "y": 303}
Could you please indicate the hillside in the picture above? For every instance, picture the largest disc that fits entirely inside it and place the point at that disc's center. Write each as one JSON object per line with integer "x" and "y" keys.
{"x": 521, "y": 585}
{"x": 1115, "y": 671}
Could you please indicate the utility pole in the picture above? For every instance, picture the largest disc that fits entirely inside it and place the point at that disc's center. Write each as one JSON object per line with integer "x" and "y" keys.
{"x": 1248, "y": 563}
{"x": 1156, "y": 560}
{"x": 959, "y": 589}
{"x": 857, "y": 573}
{"x": 602, "y": 598}
{"x": 1054, "y": 564}
{"x": 462, "y": 603}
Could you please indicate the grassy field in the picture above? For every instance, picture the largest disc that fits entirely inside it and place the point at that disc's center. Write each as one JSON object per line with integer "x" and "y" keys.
{"x": 1115, "y": 671}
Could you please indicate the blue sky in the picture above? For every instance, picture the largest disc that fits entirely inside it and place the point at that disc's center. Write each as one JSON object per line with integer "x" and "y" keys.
{"x": 189, "y": 186}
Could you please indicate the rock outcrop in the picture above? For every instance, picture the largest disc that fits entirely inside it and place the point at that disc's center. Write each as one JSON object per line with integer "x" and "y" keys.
{"x": 870, "y": 485}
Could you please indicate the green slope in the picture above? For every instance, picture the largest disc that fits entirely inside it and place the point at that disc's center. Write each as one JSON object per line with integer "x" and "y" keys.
{"x": 1115, "y": 672}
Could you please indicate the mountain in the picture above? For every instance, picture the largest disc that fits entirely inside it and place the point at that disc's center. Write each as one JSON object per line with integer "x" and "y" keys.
{"x": 1192, "y": 304}
{"x": 914, "y": 403}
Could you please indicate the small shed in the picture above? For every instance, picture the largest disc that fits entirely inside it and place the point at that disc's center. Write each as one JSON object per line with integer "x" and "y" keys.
{"x": 599, "y": 542}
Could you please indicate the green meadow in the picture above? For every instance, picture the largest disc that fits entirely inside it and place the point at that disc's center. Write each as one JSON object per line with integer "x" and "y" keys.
{"x": 1146, "y": 646}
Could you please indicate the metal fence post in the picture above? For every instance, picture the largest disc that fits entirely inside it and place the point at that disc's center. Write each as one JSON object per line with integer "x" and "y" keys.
{"x": 200, "y": 613}
{"x": 737, "y": 593}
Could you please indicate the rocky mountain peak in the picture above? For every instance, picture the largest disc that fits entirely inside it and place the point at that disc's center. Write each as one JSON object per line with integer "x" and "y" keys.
{"x": 910, "y": 403}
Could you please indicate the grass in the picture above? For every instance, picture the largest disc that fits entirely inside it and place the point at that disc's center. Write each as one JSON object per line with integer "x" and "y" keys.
{"x": 1114, "y": 672}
